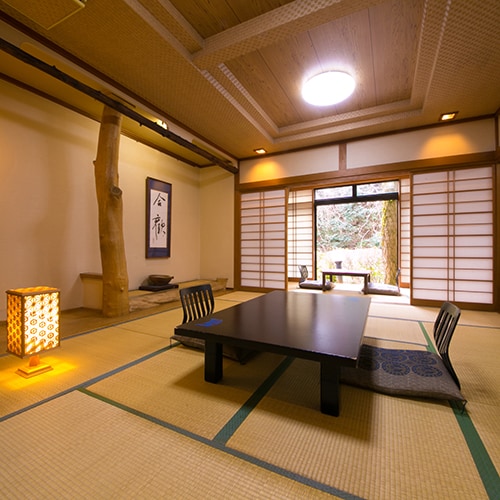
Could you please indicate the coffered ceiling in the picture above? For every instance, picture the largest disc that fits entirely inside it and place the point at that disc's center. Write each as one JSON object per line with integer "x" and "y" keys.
{"x": 226, "y": 75}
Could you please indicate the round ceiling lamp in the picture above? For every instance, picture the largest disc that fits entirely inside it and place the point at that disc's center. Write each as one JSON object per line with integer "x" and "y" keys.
{"x": 328, "y": 88}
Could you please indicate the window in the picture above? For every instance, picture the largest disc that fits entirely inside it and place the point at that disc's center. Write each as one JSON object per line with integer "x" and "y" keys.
{"x": 357, "y": 228}
{"x": 357, "y": 192}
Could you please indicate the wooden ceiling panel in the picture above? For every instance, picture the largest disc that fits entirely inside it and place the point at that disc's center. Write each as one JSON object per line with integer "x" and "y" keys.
{"x": 345, "y": 45}
{"x": 249, "y": 9}
{"x": 287, "y": 64}
{"x": 394, "y": 31}
{"x": 229, "y": 72}
{"x": 209, "y": 17}
{"x": 291, "y": 62}
{"x": 256, "y": 76}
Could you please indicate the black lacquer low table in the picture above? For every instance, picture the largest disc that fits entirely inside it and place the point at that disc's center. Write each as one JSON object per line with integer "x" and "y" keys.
{"x": 322, "y": 327}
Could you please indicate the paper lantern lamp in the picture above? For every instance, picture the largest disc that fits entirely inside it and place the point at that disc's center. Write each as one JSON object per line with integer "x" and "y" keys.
{"x": 32, "y": 325}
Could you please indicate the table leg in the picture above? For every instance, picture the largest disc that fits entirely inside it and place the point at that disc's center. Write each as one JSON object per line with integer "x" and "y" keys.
{"x": 213, "y": 361}
{"x": 330, "y": 388}
{"x": 367, "y": 279}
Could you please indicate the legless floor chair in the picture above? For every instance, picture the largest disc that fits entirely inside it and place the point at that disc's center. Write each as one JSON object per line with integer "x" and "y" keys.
{"x": 410, "y": 372}
{"x": 198, "y": 301}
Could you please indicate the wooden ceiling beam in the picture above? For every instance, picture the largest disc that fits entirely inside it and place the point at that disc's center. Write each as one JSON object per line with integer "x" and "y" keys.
{"x": 112, "y": 103}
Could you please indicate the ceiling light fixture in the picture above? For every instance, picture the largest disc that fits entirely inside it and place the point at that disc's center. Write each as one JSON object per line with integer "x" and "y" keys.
{"x": 328, "y": 88}
{"x": 162, "y": 124}
{"x": 260, "y": 151}
{"x": 448, "y": 116}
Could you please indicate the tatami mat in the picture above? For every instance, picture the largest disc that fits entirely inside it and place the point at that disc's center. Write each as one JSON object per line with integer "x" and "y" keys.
{"x": 237, "y": 297}
{"x": 87, "y": 356}
{"x": 376, "y": 440}
{"x": 77, "y": 447}
{"x": 385, "y": 332}
{"x": 405, "y": 312}
{"x": 148, "y": 426}
{"x": 474, "y": 353}
{"x": 78, "y": 360}
{"x": 171, "y": 387}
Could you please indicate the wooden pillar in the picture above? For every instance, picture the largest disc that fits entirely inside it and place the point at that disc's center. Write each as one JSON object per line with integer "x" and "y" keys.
{"x": 115, "y": 300}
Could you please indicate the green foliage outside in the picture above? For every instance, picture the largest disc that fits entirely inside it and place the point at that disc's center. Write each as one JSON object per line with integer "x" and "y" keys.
{"x": 361, "y": 236}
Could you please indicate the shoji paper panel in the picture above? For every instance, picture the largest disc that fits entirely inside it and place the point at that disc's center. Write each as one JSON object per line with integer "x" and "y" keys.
{"x": 300, "y": 231}
{"x": 452, "y": 236}
{"x": 263, "y": 240}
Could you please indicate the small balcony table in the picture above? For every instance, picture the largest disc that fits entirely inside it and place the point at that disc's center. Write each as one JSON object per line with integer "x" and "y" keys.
{"x": 343, "y": 272}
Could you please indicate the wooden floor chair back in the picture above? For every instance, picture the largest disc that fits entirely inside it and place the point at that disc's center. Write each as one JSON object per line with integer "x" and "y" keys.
{"x": 197, "y": 301}
{"x": 444, "y": 327}
{"x": 412, "y": 372}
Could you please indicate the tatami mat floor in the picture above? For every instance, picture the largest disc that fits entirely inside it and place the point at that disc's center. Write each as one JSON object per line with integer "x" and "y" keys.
{"x": 125, "y": 415}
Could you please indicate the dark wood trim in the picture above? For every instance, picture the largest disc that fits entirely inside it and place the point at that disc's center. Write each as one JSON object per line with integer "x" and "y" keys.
{"x": 470, "y": 306}
{"x": 342, "y": 156}
{"x": 237, "y": 236}
{"x": 70, "y": 57}
{"x": 497, "y": 133}
{"x": 496, "y": 227}
{"x": 112, "y": 103}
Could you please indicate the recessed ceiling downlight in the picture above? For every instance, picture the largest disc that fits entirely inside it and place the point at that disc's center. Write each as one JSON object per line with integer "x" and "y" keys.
{"x": 328, "y": 88}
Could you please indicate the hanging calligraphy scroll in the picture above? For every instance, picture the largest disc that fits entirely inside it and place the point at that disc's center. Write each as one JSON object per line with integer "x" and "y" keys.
{"x": 158, "y": 218}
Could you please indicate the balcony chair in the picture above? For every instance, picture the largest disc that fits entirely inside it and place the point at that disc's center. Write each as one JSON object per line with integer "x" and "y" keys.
{"x": 383, "y": 288}
{"x": 311, "y": 284}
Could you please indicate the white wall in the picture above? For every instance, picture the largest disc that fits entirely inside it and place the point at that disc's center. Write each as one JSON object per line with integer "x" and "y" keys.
{"x": 47, "y": 196}
{"x": 323, "y": 159}
{"x": 136, "y": 163}
{"x": 217, "y": 224}
{"x": 48, "y": 208}
{"x": 447, "y": 140}
{"x": 437, "y": 142}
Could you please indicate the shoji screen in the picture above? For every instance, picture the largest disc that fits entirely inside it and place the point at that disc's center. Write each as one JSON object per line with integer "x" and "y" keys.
{"x": 452, "y": 236}
{"x": 300, "y": 231}
{"x": 263, "y": 239}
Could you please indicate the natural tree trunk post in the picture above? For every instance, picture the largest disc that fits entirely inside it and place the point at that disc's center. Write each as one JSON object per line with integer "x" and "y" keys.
{"x": 390, "y": 240}
{"x": 115, "y": 300}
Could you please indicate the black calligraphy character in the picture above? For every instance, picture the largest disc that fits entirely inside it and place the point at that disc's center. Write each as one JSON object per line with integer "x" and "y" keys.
{"x": 159, "y": 200}
{"x": 158, "y": 226}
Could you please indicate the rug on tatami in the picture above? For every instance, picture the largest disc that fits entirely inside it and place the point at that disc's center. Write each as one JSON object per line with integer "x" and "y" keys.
{"x": 402, "y": 372}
